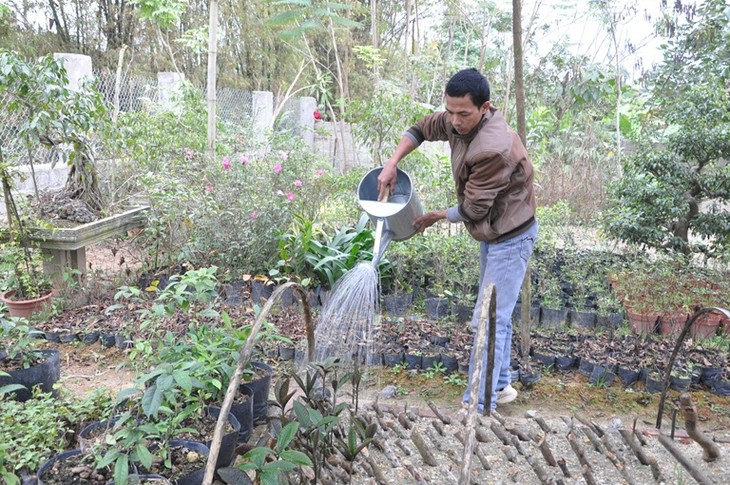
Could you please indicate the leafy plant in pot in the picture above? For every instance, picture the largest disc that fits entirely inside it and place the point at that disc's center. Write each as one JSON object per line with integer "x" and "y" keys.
{"x": 27, "y": 288}
{"x": 22, "y": 365}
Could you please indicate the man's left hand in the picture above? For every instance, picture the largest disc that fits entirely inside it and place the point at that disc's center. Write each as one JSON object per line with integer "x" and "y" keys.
{"x": 428, "y": 219}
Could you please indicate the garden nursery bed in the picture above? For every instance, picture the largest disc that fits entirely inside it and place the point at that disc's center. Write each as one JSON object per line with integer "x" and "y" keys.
{"x": 569, "y": 424}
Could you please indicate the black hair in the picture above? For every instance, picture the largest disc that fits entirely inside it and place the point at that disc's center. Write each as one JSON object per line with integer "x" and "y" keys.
{"x": 471, "y": 82}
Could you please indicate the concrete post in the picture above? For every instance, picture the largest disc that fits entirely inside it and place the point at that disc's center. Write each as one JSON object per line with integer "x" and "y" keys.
{"x": 78, "y": 68}
{"x": 307, "y": 107}
{"x": 168, "y": 84}
{"x": 263, "y": 113}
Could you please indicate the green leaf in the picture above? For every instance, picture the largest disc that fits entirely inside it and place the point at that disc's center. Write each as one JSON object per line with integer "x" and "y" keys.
{"x": 286, "y": 435}
{"x": 296, "y": 457}
{"x": 121, "y": 469}
{"x": 144, "y": 455}
{"x": 183, "y": 380}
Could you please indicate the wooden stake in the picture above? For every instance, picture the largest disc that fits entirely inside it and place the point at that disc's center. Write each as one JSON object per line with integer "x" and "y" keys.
{"x": 696, "y": 473}
{"x": 711, "y": 451}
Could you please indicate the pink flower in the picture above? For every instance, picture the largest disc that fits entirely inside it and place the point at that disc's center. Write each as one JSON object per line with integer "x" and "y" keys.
{"x": 278, "y": 168}
{"x": 226, "y": 163}
{"x": 298, "y": 183}
{"x": 243, "y": 160}
{"x": 283, "y": 155}
{"x": 254, "y": 215}
{"x": 290, "y": 196}
{"x": 208, "y": 189}
{"x": 189, "y": 154}
{"x": 317, "y": 115}
{"x": 320, "y": 172}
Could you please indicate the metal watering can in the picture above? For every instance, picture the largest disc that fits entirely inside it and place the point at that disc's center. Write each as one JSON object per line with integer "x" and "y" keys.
{"x": 393, "y": 216}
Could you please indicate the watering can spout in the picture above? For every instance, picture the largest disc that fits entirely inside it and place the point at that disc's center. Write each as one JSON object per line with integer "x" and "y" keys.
{"x": 383, "y": 237}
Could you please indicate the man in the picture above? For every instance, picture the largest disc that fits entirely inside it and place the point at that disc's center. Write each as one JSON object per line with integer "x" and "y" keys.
{"x": 496, "y": 203}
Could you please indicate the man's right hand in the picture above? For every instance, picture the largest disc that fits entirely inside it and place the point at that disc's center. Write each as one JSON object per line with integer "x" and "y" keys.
{"x": 386, "y": 179}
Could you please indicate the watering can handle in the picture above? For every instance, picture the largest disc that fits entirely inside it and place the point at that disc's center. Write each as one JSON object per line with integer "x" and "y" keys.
{"x": 386, "y": 194}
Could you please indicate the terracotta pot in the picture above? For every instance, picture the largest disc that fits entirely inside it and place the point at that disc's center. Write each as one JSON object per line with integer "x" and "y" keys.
{"x": 672, "y": 323}
{"x": 642, "y": 323}
{"x": 25, "y": 308}
{"x": 706, "y": 325}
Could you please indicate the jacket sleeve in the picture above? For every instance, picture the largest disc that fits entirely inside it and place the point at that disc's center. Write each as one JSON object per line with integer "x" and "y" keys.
{"x": 489, "y": 175}
{"x": 433, "y": 127}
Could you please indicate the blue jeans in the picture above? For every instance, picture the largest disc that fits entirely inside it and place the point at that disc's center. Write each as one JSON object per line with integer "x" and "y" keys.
{"x": 503, "y": 264}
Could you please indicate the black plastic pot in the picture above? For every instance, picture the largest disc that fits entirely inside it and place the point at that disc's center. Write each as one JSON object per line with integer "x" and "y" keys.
{"x": 260, "y": 387}
{"x": 565, "y": 363}
{"x": 68, "y": 337}
{"x": 708, "y": 374}
{"x": 194, "y": 477}
{"x": 243, "y": 411}
{"x": 93, "y": 430}
{"x": 680, "y": 384}
{"x": 227, "y": 451}
{"x": 462, "y": 313}
{"x": 551, "y": 318}
{"x": 449, "y": 362}
{"x": 545, "y": 358}
{"x": 628, "y": 377}
{"x": 107, "y": 340}
{"x": 391, "y": 359}
{"x": 286, "y": 352}
{"x": 529, "y": 378}
{"x": 436, "y": 308}
{"x": 721, "y": 387}
{"x": 429, "y": 360}
{"x": 602, "y": 375}
{"x": 90, "y": 338}
{"x": 52, "y": 336}
{"x": 123, "y": 341}
{"x": 48, "y": 465}
{"x": 654, "y": 385}
{"x": 397, "y": 304}
{"x": 260, "y": 292}
{"x": 583, "y": 319}
{"x": 438, "y": 340}
{"x": 610, "y": 321}
{"x": 585, "y": 367}
{"x": 413, "y": 361}
{"x": 43, "y": 374}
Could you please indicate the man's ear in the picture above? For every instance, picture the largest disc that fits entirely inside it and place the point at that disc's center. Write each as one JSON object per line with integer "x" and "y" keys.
{"x": 485, "y": 107}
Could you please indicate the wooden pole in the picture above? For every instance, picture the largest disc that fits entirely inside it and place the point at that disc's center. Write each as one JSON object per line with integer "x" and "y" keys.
{"x": 488, "y": 301}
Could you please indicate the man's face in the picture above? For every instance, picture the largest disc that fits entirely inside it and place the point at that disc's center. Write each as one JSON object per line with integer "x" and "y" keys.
{"x": 464, "y": 114}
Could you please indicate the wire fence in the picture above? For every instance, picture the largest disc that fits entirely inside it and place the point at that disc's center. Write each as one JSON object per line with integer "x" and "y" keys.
{"x": 234, "y": 106}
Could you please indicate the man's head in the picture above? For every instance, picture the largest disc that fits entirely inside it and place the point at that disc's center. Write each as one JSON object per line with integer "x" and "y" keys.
{"x": 467, "y": 99}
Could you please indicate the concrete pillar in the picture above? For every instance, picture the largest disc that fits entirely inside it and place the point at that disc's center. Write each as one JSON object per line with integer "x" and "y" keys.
{"x": 307, "y": 107}
{"x": 78, "y": 68}
{"x": 168, "y": 85}
{"x": 263, "y": 113}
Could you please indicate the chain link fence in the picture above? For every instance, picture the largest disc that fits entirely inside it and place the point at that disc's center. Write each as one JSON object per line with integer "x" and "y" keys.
{"x": 135, "y": 94}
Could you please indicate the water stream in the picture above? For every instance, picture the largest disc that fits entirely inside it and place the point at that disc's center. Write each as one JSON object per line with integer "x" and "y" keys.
{"x": 345, "y": 326}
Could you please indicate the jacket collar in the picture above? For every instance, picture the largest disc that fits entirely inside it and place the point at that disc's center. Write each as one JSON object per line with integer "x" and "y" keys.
{"x": 470, "y": 136}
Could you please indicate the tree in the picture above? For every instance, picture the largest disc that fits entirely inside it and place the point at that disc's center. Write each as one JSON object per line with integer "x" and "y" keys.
{"x": 675, "y": 190}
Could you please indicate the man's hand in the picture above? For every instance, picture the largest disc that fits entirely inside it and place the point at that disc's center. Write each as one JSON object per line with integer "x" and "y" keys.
{"x": 386, "y": 179}
{"x": 428, "y": 219}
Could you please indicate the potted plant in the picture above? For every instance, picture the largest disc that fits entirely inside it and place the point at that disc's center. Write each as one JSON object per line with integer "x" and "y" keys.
{"x": 22, "y": 365}
{"x": 27, "y": 288}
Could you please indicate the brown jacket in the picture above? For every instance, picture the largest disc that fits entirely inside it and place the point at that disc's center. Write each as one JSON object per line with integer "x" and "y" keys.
{"x": 492, "y": 172}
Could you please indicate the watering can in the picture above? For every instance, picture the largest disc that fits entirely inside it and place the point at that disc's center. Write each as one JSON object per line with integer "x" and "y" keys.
{"x": 393, "y": 216}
